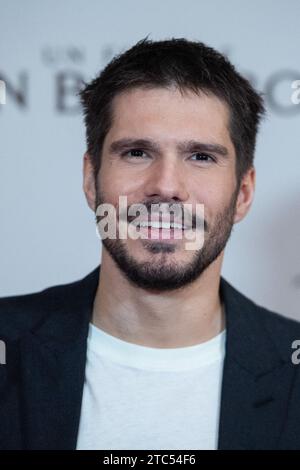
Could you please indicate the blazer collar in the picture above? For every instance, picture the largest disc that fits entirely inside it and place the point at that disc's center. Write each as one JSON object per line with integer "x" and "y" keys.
{"x": 254, "y": 398}
{"x": 53, "y": 358}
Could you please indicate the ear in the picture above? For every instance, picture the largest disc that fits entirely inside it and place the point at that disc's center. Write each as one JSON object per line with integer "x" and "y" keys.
{"x": 246, "y": 195}
{"x": 89, "y": 186}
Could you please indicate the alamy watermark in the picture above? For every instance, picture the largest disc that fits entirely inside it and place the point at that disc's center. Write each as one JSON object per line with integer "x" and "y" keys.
{"x": 161, "y": 221}
{"x": 2, "y": 92}
{"x": 295, "y": 357}
{"x": 2, "y": 352}
{"x": 295, "y": 97}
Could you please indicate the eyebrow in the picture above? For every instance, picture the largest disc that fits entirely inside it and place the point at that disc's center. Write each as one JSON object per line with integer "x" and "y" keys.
{"x": 184, "y": 146}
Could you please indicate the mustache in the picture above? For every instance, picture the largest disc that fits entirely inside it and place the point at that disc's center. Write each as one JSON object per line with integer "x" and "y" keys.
{"x": 177, "y": 211}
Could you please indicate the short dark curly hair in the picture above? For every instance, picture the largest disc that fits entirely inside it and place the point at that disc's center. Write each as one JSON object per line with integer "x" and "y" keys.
{"x": 188, "y": 65}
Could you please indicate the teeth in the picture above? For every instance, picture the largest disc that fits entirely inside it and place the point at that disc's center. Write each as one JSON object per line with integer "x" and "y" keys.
{"x": 157, "y": 224}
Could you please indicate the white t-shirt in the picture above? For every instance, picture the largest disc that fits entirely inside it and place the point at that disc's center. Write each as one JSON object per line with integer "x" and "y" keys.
{"x": 136, "y": 397}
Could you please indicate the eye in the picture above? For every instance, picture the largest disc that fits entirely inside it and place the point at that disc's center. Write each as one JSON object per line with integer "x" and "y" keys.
{"x": 136, "y": 153}
{"x": 203, "y": 157}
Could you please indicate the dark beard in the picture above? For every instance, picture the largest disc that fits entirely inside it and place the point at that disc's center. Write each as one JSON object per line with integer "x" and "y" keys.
{"x": 163, "y": 275}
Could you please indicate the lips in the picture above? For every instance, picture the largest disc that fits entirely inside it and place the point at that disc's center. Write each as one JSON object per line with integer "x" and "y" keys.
{"x": 157, "y": 222}
{"x": 160, "y": 225}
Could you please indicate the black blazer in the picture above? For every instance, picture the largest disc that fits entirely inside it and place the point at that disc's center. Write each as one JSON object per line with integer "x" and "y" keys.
{"x": 41, "y": 384}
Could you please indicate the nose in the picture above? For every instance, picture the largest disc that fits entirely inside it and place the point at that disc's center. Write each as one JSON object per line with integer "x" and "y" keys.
{"x": 167, "y": 180}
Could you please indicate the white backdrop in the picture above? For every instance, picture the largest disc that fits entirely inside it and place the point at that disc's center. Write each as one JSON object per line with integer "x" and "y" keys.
{"x": 47, "y": 47}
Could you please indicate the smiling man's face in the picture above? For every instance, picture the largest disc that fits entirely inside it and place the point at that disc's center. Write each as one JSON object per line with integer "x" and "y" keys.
{"x": 165, "y": 147}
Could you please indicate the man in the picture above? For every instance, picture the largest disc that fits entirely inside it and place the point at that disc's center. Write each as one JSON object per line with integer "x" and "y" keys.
{"x": 154, "y": 349}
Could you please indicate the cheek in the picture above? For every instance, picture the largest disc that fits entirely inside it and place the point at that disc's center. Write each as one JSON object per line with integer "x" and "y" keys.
{"x": 214, "y": 200}
{"x": 113, "y": 184}
{"x": 110, "y": 182}
{"x": 117, "y": 182}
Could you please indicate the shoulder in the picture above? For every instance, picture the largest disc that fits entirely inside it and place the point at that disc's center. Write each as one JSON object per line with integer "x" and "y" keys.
{"x": 282, "y": 330}
{"x": 278, "y": 323}
{"x": 262, "y": 321}
{"x": 21, "y": 313}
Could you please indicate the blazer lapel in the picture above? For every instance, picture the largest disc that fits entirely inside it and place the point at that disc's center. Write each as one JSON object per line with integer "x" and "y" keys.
{"x": 53, "y": 361}
{"x": 52, "y": 358}
{"x": 254, "y": 399}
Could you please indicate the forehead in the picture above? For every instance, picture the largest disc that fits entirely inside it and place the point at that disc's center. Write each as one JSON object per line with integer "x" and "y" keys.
{"x": 166, "y": 112}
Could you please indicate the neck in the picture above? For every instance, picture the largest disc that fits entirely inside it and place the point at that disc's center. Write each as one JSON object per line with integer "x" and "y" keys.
{"x": 174, "y": 319}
